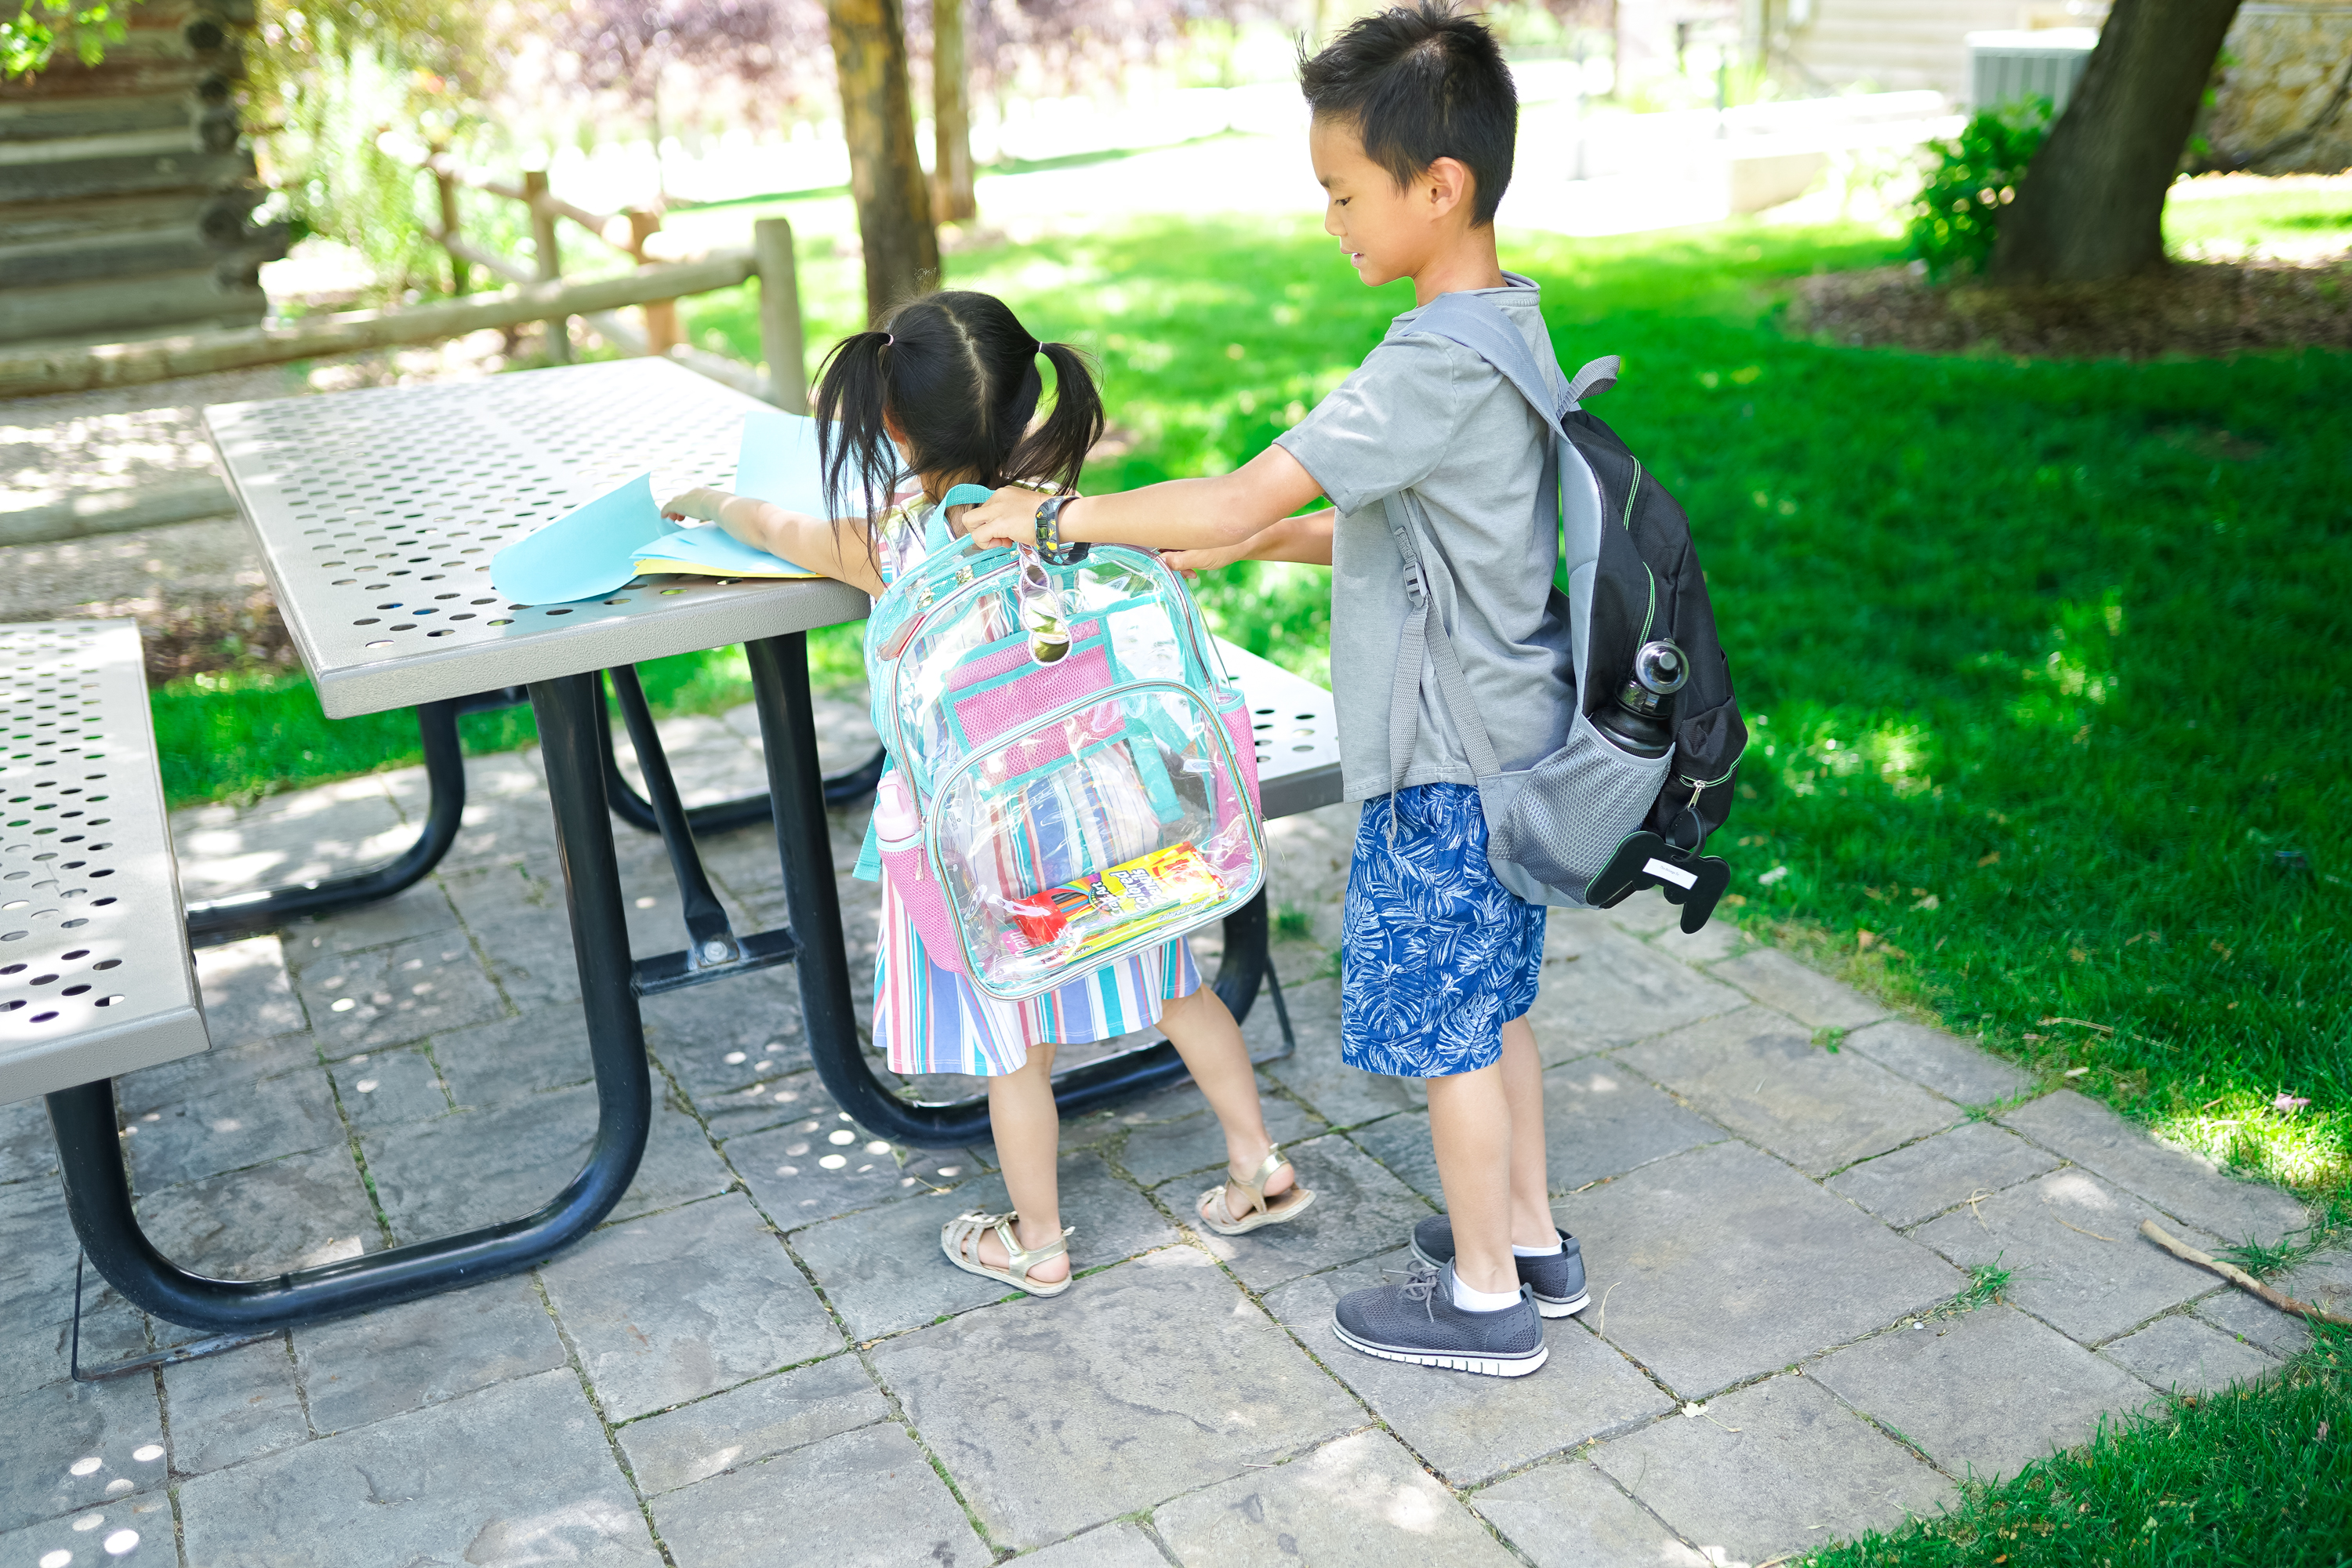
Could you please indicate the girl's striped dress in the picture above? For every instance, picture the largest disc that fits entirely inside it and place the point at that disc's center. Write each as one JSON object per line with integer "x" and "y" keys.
{"x": 929, "y": 1020}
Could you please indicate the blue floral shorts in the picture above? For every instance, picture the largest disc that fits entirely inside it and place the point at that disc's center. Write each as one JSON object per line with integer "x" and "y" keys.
{"x": 1437, "y": 955}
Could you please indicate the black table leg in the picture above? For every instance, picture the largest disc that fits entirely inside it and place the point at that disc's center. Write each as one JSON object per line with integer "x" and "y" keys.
{"x": 89, "y": 1147}
{"x": 780, "y": 680}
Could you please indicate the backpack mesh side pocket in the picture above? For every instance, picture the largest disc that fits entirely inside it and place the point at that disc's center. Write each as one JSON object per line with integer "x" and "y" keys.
{"x": 1576, "y": 807}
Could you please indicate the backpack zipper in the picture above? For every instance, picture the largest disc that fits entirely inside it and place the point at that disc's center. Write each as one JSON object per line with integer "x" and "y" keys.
{"x": 1631, "y": 492}
{"x": 1698, "y": 786}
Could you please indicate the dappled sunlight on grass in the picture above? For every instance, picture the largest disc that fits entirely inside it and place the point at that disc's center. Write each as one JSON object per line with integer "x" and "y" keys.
{"x": 2249, "y": 1131}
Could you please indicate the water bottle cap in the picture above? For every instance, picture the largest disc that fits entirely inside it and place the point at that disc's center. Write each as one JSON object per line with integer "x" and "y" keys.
{"x": 1661, "y": 667}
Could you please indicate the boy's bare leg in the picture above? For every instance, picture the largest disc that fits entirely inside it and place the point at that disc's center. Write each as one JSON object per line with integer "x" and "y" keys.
{"x": 1203, "y": 1030}
{"x": 1471, "y": 1127}
{"x": 1531, "y": 1221}
{"x": 1028, "y": 1132}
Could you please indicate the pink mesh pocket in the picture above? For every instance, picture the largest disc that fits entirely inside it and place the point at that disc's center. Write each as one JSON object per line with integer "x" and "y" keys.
{"x": 1007, "y": 659}
{"x": 898, "y": 827}
{"x": 1237, "y": 729}
{"x": 985, "y": 715}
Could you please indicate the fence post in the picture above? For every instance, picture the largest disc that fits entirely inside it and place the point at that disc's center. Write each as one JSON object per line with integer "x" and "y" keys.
{"x": 550, "y": 258}
{"x": 448, "y": 182}
{"x": 780, "y": 314}
{"x": 661, "y": 315}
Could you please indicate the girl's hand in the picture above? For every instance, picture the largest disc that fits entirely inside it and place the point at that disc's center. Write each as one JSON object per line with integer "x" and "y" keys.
{"x": 699, "y": 504}
{"x": 1008, "y": 517}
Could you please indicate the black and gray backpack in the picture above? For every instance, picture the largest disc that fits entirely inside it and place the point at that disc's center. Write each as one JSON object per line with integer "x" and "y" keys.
{"x": 1646, "y": 771}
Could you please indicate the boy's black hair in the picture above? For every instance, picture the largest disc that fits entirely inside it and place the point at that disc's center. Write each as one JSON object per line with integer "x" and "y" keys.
{"x": 957, "y": 374}
{"x": 1421, "y": 83}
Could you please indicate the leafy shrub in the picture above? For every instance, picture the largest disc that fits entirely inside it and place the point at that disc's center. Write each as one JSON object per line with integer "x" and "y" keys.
{"x": 40, "y": 28}
{"x": 1959, "y": 212}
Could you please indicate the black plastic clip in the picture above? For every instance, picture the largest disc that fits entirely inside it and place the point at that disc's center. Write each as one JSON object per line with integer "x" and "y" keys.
{"x": 1645, "y": 860}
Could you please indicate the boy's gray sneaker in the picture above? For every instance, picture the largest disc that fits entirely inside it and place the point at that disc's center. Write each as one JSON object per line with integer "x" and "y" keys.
{"x": 1417, "y": 1321}
{"x": 1558, "y": 1283}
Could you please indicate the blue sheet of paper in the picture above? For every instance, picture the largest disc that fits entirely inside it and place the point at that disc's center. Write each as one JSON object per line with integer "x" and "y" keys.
{"x": 778, "y": 461}
{"x": 718, "y": 553}
{"x": 587, "y": 553}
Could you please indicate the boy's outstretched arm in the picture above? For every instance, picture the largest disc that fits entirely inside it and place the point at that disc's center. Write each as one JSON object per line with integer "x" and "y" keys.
{"x": 1227, "y": 517}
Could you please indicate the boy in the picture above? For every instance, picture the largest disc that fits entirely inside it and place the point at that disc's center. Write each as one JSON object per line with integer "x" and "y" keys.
{"x": 1415, "y": 121}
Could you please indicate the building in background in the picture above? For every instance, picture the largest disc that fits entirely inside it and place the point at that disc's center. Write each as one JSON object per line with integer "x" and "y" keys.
{"x": 126, "y": 189}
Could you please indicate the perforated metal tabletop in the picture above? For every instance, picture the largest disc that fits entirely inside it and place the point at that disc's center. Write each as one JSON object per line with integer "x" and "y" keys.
{"x": 92, "y": 981}
{"x": 1297, "y": 733}
{"x": 378, "y": 511}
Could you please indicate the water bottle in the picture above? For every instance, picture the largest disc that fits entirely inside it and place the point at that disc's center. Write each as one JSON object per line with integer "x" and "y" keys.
{"x": 1641, "y": 720}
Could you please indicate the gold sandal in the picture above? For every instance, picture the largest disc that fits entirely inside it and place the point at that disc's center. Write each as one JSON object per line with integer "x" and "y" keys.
{"x": 960, "y": 1239}
{"x": 1262, "y": 1210}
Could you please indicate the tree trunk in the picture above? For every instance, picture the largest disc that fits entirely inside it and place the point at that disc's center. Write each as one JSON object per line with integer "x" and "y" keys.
{"x": 894, "y": 209}
{"x": 952, "y": 196}
{"x": 2091, "y": 206}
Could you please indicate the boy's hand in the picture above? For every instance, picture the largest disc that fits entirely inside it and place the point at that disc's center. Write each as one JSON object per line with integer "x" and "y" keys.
{"x": 1008, "y": 517}
{"x": 699, "y": 504}
{"x": 1192, "y": 562}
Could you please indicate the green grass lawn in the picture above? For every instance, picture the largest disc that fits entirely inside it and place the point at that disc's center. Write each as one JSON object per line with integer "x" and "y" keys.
{"x": 2239, "y": 1478}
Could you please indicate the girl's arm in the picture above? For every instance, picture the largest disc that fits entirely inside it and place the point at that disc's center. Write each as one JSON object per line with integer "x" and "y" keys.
{"x": 1216, "y": 515}
{"x": 839, "y": 549}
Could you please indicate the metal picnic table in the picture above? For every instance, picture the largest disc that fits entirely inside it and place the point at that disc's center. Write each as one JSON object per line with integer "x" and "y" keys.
{"x": 377, "y": 513}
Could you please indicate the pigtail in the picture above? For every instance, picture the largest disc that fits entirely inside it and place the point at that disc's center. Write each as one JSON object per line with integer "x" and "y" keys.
{"x": 854, "y": 453}
{"x": 1057, "y": 449}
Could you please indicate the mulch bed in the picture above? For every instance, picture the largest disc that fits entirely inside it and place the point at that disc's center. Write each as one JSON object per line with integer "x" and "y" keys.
{"x": 2203, "y": 309}
{"x": 200, "y": 637}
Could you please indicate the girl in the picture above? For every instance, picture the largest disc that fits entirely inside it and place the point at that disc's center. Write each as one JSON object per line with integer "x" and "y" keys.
{"x": 944, "y": 393}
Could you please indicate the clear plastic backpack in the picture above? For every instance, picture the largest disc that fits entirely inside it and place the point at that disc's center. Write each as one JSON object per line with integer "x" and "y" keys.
{"x": 1075, "y": 779}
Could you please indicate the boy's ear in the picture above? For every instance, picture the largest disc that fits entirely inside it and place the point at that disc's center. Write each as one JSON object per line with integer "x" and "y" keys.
{"x": 1449, "y": 184}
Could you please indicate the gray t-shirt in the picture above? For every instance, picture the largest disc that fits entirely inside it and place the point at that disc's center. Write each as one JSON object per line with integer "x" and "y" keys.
{"x": 1428, "y": 417}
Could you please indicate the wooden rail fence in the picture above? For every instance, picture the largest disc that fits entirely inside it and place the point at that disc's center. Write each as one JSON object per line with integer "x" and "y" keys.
{"x": 538, "y": 294}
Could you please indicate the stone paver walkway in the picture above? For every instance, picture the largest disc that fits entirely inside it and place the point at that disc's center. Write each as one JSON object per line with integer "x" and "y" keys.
{"x": 761, "y": 1359}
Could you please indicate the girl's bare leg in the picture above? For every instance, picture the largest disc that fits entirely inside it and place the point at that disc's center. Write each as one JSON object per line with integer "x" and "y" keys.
{"x": 1028, "y": 1132}
{"x": 1205, "y": 1034}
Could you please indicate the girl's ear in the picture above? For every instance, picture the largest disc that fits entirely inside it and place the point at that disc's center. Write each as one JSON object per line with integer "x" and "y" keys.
{"x": 891, "y": 425}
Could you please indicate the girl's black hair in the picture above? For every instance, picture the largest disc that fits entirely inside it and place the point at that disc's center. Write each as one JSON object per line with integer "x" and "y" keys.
{"x": 957, "y": 374}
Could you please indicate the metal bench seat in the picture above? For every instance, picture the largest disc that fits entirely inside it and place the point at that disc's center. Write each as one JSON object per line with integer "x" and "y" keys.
{"x": 95, "y": 980}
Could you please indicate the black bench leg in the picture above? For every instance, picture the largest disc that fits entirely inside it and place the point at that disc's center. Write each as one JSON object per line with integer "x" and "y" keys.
{"x": 89, "y": 1147}
{"x": 723, "y": 815}
{"x": 243, "y": 914}
{"x": 780, "y": 678}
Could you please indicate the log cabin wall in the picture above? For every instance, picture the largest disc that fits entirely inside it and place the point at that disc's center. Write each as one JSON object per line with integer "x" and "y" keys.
{"x": 126, "y": 190}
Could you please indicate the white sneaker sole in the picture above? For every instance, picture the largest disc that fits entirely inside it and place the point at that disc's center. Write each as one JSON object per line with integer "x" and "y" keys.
{"x": 1486, "y": 1366}
{"x": 1547, "y": 1305}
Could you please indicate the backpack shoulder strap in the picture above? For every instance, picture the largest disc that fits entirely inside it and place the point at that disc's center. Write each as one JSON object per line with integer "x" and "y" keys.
{"x": 1424, "y": 632}
{"x": 1478, "y": 324}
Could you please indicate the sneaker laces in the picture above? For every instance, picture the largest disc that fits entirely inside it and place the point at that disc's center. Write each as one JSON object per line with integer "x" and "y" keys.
{"x": 1420, "y": 1285}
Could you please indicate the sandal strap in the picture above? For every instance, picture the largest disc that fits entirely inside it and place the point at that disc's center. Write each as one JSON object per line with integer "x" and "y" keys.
{"x": 1019, "y": 1260}
{"x": 1254, "y": 1183}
